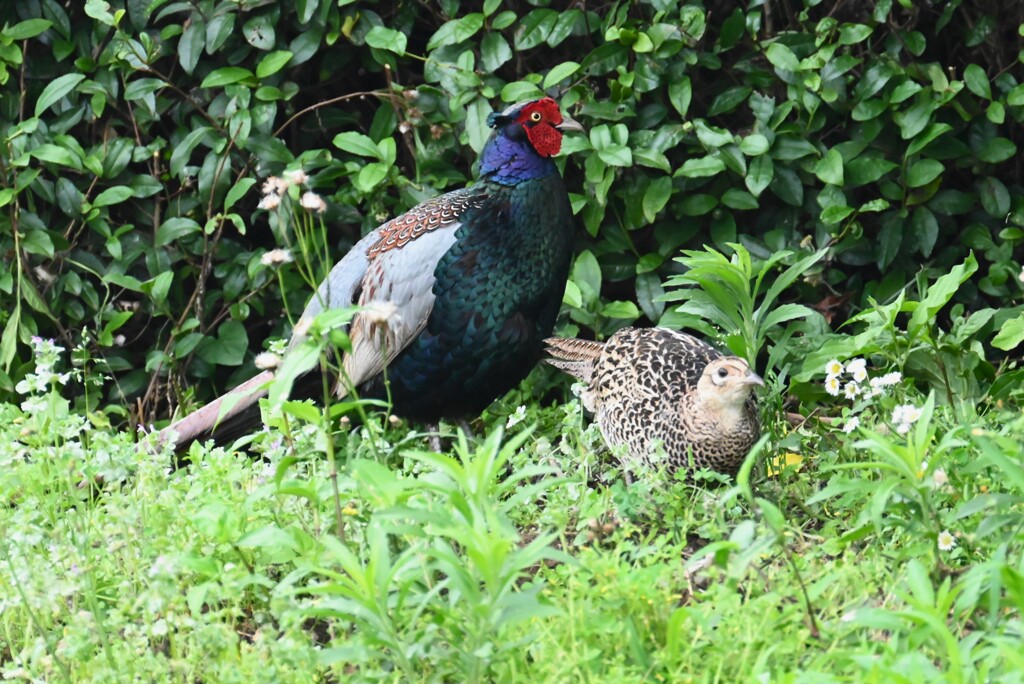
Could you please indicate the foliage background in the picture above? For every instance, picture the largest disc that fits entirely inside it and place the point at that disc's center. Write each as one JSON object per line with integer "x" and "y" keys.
{"x": 136, "y": 134}
{"x": 853, "y": 170}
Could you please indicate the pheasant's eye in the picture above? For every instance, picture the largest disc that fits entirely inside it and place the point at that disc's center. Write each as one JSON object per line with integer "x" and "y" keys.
{"x": 535, "y": 117}
{"x": 722, "y": 372}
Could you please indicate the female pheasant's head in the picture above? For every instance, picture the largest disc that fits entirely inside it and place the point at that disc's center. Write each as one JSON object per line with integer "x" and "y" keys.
{"x": 539, "y": 122}
{"x": 724, "y": 387}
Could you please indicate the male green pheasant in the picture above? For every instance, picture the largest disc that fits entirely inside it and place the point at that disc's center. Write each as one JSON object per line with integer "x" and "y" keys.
{"x": 655, "y": 386}
{"x": 475, "y": 278}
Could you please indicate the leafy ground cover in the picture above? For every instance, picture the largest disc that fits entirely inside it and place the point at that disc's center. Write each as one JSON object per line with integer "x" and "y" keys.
{"x": 831, "y": 190}
{"x": 878, "y": 538}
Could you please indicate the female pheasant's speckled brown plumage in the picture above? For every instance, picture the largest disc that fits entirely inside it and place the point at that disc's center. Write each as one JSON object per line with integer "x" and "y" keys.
{"x": 653, "y": 385}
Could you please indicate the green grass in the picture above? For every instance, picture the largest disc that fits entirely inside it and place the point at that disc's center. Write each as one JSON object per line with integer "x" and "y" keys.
{"x": 890, "y": 551}
{"x": 512, "y": 557}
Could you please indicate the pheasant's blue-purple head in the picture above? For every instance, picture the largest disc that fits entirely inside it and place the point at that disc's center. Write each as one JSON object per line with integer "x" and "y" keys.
{"x": 526, "y": 136}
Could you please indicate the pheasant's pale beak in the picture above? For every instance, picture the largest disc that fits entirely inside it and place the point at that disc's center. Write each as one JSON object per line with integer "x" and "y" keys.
{"x": 570, "y": 124}
{"x": 753, "y": 379}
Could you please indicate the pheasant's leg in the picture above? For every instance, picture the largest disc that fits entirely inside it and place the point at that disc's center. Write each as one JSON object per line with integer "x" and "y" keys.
{"x": 464, "y": 424}
{"x": 434, "y": 436}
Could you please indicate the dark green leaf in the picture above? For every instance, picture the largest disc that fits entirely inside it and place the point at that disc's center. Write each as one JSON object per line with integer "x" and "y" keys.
{"x": 701, "y": 167}
{"x": 760, "y": 173}
{"x": 55, "y": 90}
{"x": 387, "y": 39}
{"x": 357, "y": 143}
{"x": 977, "y": 81}
{"x": 995, "y": 198}
{"x": 30, "y": 28}
{"x": 995, "y": 150}
{"x": 679, "y": 94}
{"x": 226, "y": 76}
{"x": 923, "y": 172}
{"x": 191, "y": 43}
{"x": 458, "y": 30}
{"x": 494, "y": 51}
{"x": 174, "y": 228}
{"x": 829, "y": 168}
{"x": 273, "y": 62}
{"x": 259, "y": 32}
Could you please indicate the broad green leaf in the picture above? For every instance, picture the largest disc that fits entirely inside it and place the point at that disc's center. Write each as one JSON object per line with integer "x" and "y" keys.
{"x": 273, "y": 62}
{"x": 760, "y": 173}
{"x": 456, "y": 30}
{"x": 701, "y": 167}
{"x": 228, "y": 348}
{"x": 259, "y": 32}
{"x": 680, "y": 93}
{"x": 995, "y": 198}
{"x": 23, "y": 30}
{"x": 753, "y": 145}
{"x": 357, "y": 143}
{"x": 55, "y": 90}
{"x": 494, "y": 52}
{"x": 559, "y": 73}
{"x": 174, "y": 228}
{"x": 977, "y": 81}
{"x": 1010, "y": 335}
{"x": 387, "y": 39}
{"x": 923, "y": 172}
{"x": 237, "y": 191}
{"x": 476, "y": 123}
{"x": 939, "y": 293}
{"x": 996, "y": 150}
{"x": 656, "y": 197}
{"x": 829, "y": 168}
{"x": 226, "y": 76}
{"x": 734, "y": 198}
{"x": 183, "y": 150}
{"x": 192, "y": 42}
{"x": 782, "y": 57}
{"x": 114, "y": 195}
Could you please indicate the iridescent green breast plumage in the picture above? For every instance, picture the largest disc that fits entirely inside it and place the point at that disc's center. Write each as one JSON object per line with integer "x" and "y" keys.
{"x": 497, "y": 292}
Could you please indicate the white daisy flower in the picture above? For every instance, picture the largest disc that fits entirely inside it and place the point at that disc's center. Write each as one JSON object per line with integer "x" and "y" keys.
{"x": 833, "y": 367}
{"x": 947, "y": 542}
{"x": 832, "y": 385}
{"x": 858, "y": 368}
{"x": 851, "y": 390}
{"x": 851, "y": 425}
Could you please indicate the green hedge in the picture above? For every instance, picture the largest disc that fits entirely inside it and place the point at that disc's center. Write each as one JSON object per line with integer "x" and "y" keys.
{"x": 137, "y": 134}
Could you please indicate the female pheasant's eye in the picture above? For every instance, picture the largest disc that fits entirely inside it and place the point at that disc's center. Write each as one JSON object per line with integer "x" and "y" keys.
{"x": 535, "y": 117}
{"x": 722, "y": 372}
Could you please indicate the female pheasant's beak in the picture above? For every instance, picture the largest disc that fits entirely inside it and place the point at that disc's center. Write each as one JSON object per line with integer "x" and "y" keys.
{"x": 752, "y": 379}
{"x": 569, "y": 124}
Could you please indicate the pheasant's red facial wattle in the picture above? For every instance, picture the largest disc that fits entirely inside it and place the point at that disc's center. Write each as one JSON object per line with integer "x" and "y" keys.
{"x": 539, "y": 119}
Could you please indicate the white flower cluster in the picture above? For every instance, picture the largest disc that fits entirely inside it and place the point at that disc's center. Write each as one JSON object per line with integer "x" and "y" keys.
{"x": 47, "y": 354}
{"x": 854, "y": 386}
{"x": 905, "y": 415}
{"x": 275, "y": 187}
{"x": 857, "y": 370}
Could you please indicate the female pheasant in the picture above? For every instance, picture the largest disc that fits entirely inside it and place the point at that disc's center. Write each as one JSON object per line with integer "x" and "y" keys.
{"x": 475, "y": 278}
{"x": 657, "y": 386}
